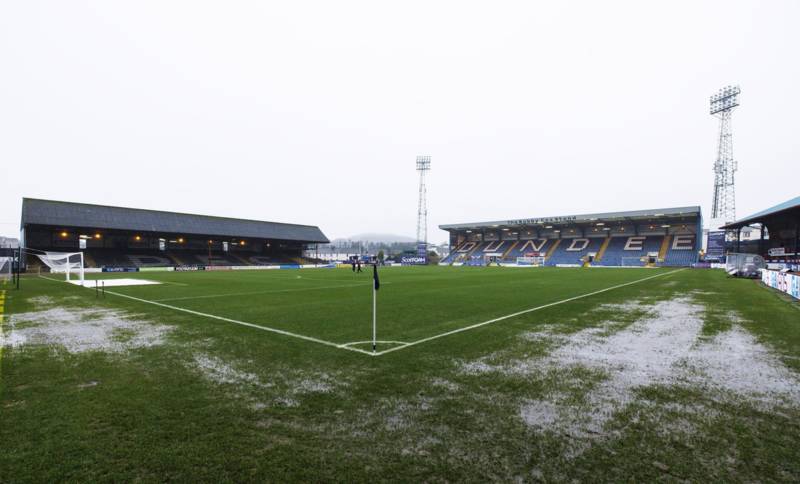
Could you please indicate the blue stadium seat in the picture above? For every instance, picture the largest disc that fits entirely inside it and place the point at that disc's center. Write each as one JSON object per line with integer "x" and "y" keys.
{"x": 615, "y": 252}
{"x": 564, "y": 256}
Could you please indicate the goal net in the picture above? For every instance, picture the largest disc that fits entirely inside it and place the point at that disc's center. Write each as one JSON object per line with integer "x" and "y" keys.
{"x": 69, "y": 263}
{"x": 6, "y": 267}
{"x": 530, "y": 261}
{"x": 632, "y": 261}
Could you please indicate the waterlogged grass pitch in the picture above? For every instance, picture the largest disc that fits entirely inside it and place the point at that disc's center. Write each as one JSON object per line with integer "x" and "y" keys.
{"x": 481, "y": 374}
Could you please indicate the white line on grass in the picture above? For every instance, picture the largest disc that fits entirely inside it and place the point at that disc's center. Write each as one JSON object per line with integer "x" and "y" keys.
{"x": 370, "y": 342}
{"x": 252, "y": 293}
{"x": 518, "y": 313}
{"x": 174, "y": 283}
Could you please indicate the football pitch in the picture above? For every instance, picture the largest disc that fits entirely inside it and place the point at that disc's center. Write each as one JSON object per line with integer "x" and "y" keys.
{"x": 480, "y": 374}
{"x": 335, "y": 308}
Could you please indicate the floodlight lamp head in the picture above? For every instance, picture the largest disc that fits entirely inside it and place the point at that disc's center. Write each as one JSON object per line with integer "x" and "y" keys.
{"x": 725, "y": 100}
{"x": 423, "y": 163}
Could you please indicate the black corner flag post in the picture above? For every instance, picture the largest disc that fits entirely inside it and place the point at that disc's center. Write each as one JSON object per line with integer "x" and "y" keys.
{"x": 376, "y": 284}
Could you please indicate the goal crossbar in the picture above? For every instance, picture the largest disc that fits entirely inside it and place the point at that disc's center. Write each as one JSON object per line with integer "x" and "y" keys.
{"x": 63, "y": 262}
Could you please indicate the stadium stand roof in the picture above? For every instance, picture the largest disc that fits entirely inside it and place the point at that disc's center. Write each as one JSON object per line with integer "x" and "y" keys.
{"x": 781, "y": 209}
{"x": 635, "y": 215}
{"x": 71, "y": 214}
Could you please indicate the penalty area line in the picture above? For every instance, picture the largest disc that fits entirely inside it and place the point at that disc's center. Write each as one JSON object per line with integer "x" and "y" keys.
{"x": 525, "y": 311}
{"x": 268, "y": 291}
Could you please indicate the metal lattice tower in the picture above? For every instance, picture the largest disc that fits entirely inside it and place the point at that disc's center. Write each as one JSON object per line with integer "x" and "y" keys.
{"x": 724, "y": 203}
{"x": 423, "y": 165}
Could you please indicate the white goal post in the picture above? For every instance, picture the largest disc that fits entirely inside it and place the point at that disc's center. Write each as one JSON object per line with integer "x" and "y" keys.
{"x": 632, "y": 261}
{"x": 64, "y": 262}
{"x": 530, "y": 261}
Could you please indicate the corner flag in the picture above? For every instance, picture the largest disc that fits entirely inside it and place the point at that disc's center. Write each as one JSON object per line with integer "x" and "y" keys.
{"x": 376, "y": 284}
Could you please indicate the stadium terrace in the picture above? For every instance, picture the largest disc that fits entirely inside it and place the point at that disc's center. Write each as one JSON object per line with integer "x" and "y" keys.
{"x": 656, "y": 237}
{"x": 118, "y": 237}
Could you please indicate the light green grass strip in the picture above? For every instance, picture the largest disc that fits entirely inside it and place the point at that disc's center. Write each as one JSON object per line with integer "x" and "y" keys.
{"x": 254, "y": 293}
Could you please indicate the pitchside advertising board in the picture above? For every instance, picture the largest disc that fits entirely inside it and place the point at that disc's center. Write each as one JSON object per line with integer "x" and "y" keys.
{"x": 715, "y": 249}
{"x": 189, "y": 268}
{"x": 420, "y": 259}
{"x": 782, "y": 281}
{"x": 120, "y": 269}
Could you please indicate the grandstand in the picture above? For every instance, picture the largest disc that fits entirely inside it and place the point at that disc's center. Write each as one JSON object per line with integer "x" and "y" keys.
{"x": 657, "y": 237}
{"x": 782, "y": 223}
{"x": 117, "y": 237}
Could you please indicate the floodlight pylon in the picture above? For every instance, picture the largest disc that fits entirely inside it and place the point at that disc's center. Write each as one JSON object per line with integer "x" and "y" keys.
{"x": 423, "y": 166}
{"x": 723, "y": 207}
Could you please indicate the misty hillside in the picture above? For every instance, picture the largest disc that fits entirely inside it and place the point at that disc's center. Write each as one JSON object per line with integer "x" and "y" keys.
{"x": 380, "y": 238}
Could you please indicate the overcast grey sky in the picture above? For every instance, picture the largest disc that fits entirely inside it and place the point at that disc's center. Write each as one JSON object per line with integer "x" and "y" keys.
{"x": 313, "y": 112}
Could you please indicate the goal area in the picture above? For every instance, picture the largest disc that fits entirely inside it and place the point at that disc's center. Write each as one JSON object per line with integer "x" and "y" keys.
{"x": 530, "y": 261}
{"x": 637, "y": 261}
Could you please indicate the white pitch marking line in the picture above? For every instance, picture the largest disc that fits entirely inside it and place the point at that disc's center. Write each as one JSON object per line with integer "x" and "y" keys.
{"x": 174, "y": 283}
{"x": 370, "y": 342}
{"x": 51, "y": 279}
{"x": 518, "y": 313}
{"x": 252, "y": 293}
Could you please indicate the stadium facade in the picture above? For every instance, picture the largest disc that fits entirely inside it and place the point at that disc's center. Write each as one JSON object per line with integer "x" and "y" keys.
{"x": 665, "y": 236}
{"x": 129, "y": 237}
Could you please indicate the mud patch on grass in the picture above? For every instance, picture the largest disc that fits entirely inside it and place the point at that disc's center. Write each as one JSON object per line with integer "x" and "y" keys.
{"x": 665, "y": 347}
{"x": 736, "y": 363}
{"x": 277, "y": 388}
{"x": 397, "y": 414}
{"x": 81, "y": 330}
{"x": 42, "y": 301}
{"x": 447, "y": 385}
{"x": 218, "y": 371}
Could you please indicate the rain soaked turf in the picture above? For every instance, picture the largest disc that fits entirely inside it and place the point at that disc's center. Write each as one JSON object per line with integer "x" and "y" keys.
{"x": 687, "y": 375}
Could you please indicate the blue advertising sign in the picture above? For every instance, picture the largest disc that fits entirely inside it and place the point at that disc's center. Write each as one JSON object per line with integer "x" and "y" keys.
{"x": 715, "y": 249}
{"x": 120, "y": 269}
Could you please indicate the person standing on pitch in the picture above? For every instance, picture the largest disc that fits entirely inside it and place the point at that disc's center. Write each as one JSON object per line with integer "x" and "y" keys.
{"x": 358, "y": 265}
{"x": 353, "y": 262}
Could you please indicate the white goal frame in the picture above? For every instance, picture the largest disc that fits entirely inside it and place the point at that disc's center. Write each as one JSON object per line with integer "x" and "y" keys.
{"x": 636, "y": 259}
{"x": 533, "y": 261}
{"x": 62, "y": 262}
